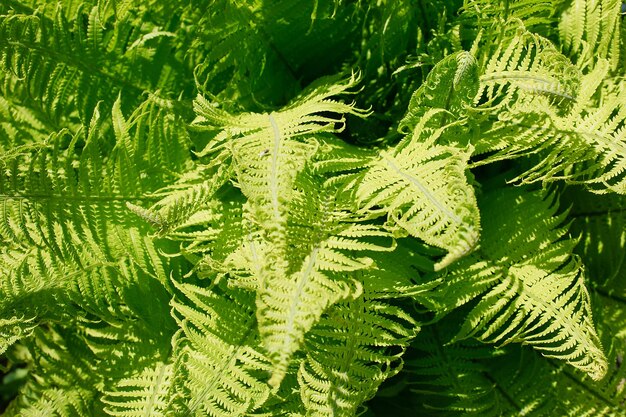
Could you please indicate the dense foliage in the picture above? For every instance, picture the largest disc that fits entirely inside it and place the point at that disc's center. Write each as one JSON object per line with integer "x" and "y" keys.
{"x": 312, "y": 208}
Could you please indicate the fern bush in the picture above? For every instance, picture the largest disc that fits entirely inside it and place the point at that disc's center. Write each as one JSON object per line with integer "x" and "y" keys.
{"x": 313, "y": 208}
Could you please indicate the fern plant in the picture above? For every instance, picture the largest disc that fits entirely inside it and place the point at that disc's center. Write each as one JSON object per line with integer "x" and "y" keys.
{"x": 312, "y": 208}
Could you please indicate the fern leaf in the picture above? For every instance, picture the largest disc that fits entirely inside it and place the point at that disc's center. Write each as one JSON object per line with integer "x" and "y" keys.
{"x": 589, "y": 31}
{"x": 531, "y": 289}
{"x": 145, "y": 394}
{"x": 354, "y": 348}
{"x": 67, "y": 239}
{"x": 226, "y": 370}
{"x": 527, "y": 65}
{"x": 268, "y": 151}
{"x": 466, "y": 378}
{"x": 288, "y": 306}
{"x": 537, "y": 15}
{"x": 71, "y": 69}
{"x": 422, "y": 188}
{"x": 451, "y": 86}
{"x": 584, "y": 145}
{"x": 459, "y": 379}
{"x": 14, "y": 329}
{"x": 61, "y": 382}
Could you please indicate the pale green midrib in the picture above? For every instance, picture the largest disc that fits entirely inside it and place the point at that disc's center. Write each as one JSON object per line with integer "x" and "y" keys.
{"x": 217, "y": 376}
{"x": 296, "y": 299}
{"x": 519, "y": 75}
{"x": 506, "y": 76}
{"x": 274, "y": 171}
{"x": 443, "y": 209}
{"x": 154, "y": 392}
{"x": 554, "y": 310}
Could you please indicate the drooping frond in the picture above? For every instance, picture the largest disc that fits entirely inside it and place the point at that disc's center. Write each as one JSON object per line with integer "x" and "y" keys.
{"x": 267, "y": 151}
{"x": 421, "y": 187}
{"x": 531, "y": 289}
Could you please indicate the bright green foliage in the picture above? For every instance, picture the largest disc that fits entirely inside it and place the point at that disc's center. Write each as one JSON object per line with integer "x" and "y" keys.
{"x": 533, "y": 290}
{"x": 406, "y": 184}
{"x": 312, "y": 208}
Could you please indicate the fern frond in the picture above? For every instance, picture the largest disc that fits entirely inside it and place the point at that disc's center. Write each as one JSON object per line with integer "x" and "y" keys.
{"x": 146, "y": 394}
{"x": 451, "y": 85}
{"x": 268, "y": 151}
{"x": 536, "y": 14}
{"x": 297, "y": 120}
{"x": 192, "y": 193}
{"x": 289, "y": 305}
{"x": 590, "y": 32}
{"x": 225, "y": 369}
{"x": 62, "y": 378}
{"x": 421, "y": 187}
{"x": 470, "y": 379}
{"x": 14, "y": 329}
{"x": 68, "y": 240}
{"x": 67, "y": 65}
{"x": 466, "y": 378}
{"x": 585, "y": 145}
{"x": 527, "y": 65}
{"x": 359, "y": 344}
{"x": 350, "y": 352}
{"x": 583, "y": 396}
{"x": 532, "y": 290}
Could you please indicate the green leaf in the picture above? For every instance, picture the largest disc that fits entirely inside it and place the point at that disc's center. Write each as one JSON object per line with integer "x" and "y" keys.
{"x": 530, "y": 288}
{"x": 421, "y": 187}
